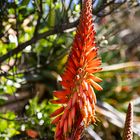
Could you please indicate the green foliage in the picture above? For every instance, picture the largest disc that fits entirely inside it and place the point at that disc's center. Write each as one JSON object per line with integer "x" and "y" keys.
{"x": 8, "y": 125}
{"x": 36, "y": 117}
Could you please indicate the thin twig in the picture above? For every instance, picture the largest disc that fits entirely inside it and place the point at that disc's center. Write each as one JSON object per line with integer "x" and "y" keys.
{"x": 16, "y": 119}
{"x": 121, "y": 66}
{"x": 40, "y": 11}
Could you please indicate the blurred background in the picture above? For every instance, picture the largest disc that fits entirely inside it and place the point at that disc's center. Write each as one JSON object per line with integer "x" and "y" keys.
{"x": 35, "y": 40}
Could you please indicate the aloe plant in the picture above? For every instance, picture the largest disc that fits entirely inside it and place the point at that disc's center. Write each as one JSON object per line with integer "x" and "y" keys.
{"x": 78, "y": 98}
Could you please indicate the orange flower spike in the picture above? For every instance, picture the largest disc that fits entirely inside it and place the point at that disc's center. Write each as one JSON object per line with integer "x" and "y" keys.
{"x": 55, "y": 121}
{"x": 94, "y": 63}
{"x": 65, "y": 127}
{"x": 81, "y": 104}
{"x": 61, "y": 123}
{"x": 93, "y": 70}
{"x": 57, "y": 112}
{"x": 58, "y": 131}
{"x": 69, "y": 122}
{"x": 85, "y": 85}
{"x": 95, "y": 85}
{"x": 91, "y": 55}
{"x": 92, "y": 93}
{"x": 78, "y": 81}
{"x": 74, "y": 98}
{"x": 94, "y": 78}
{"x": 61, "y": 94}
{"x": 73, "y": 111}
{"x": 60, "y": 101}
{"x": 65, "y": 114}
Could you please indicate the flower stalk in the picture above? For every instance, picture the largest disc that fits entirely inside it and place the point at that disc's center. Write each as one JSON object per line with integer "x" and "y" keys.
{"x": 128, "y": 128}
{"x": 77, "y": 96}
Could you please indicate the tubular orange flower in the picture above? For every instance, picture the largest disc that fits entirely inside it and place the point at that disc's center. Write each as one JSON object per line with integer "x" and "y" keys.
{"x": 57, "y": 112}
{"x": 78, "y": 96}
